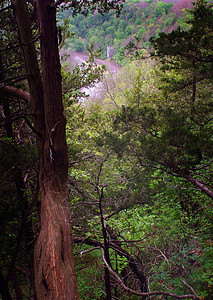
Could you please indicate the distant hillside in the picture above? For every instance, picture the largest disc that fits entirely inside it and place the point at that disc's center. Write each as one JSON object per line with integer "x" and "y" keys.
{"x": 140, "y": 19}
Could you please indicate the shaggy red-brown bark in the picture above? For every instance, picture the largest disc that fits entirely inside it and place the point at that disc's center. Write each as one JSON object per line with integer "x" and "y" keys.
{"x": 53, "y": 257}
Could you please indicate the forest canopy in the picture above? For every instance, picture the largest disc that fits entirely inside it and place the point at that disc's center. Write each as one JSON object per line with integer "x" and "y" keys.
{"x": 138, "y": 20}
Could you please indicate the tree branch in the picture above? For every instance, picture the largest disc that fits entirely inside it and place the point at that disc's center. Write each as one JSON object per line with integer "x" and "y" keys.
{"x": 98, "y": 245}
{"x": 57, "y": 3}
{"x": 15, "y": 79}
{"x": 88, "y": 250}
{"x": 22, "y": 44}
{"x": 148, "y": 293}
{"x": 190, "y": 288}
{"x": 199, "y": 185}
{"x": 31, "y": 126}
{"x": 13, "y": 91}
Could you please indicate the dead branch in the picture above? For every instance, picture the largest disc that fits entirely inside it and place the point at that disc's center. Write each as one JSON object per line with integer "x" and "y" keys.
{"x": 88, "y": 250}
{"x": 193, "y": 291}
{"x": 196, "y": 297}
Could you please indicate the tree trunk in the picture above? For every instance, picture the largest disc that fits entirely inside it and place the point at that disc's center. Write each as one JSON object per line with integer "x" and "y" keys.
{"x": 53, "y": 256}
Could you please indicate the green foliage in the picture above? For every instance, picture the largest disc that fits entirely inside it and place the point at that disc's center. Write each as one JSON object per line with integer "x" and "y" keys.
{"x": 129, "y": 30}
{"x": 142, "y": 19}
{"x": 159, "y": 133}
{"x": 89, "y": 272}
{"x": 78, "y": 46}
{"x": 141, "y": 32}
{"x": 111, "y": 30}
{"x": 189, "y": 49}
{"x": 16, "y": 161}
{"x": 80, "y": 76}
{"x": 130, "y": 154}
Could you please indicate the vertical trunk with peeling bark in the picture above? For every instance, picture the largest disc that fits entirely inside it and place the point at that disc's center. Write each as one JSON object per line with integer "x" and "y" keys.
{"x": 53, "y": 256}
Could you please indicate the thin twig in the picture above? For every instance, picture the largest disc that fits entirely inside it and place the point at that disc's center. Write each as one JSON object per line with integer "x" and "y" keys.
{"x": 88, "y": 250}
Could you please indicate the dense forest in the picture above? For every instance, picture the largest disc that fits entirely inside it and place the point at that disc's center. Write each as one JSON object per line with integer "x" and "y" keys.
{"x": 107, "y": 197}
{"x": 137, "y": 20}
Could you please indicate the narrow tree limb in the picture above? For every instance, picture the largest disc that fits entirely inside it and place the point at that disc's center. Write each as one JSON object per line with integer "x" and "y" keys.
{"x": 22, "y": 44}
{"x": 178, "y": 173}
{"x": 13, "y": 91}
{"x": 81, "y": 159}
{"x": 9, "y": 66}
{"x": 193, "y": 291}
{"x": 15, "y": 79}
{"x": 31, "y": 126}
{"x": 88, "y": 250}
{"x": 199, "y": 184}
{"x": 199, "y": 59}
{"x": 56, "y": 3}
{"x": 88, "y": 241}
{"x": 148, "y": 293}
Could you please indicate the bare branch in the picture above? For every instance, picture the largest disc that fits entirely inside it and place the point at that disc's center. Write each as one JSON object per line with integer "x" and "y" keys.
{"x": 82, "y": 192}
{"x": 31, "y": 126}
{"x": 96, "y": 184}
{"x": 9, "y": 66}
{"x": 81, "y": 159}
{"x": 13, "y": 91}
{"x": 162, "y": 255}
{"x": 198, "y": 184}
{"x": 148, "y": 293}
{"x": 15, "y": 79}
{"x": 190, "y": 288}
{"x": 198, "y": 58}
{"x": 88, "y": 250}
{"x": 57, "y": 3}
{"x": 88, "y": 241}
{"x": 22, "y": 44}
{"x": 204, "y": 165}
